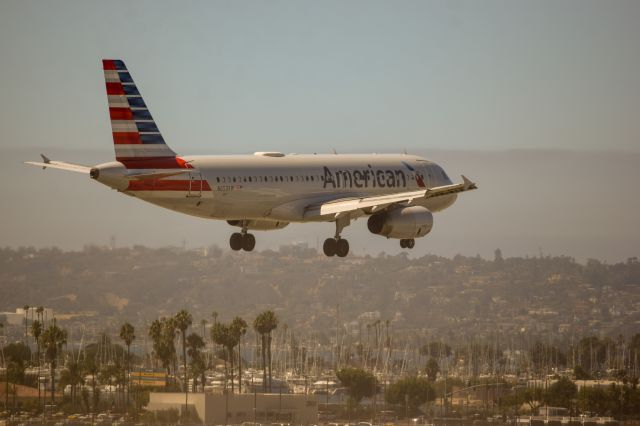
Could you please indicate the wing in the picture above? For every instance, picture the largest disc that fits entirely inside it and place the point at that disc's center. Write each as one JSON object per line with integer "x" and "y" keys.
{"x": 46, "y": 162}
{"x": 371, "y": 204}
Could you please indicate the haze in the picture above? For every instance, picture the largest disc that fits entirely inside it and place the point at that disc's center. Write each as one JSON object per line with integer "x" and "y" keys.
{"x": 536, "y": 101}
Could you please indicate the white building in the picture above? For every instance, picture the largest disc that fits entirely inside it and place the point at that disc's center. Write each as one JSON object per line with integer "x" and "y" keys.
{"x": 217, "y": 409}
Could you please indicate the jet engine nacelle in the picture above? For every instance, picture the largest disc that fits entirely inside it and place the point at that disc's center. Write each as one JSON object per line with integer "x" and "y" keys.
{"x": 405, "y": 222}
{"x": 259, "y": 225}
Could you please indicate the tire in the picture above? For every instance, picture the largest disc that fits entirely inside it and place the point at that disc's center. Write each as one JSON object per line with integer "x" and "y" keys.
{"x": 342, "y": 247}
{"x": 235, "y": 241}
{"x": 411, "y": 243}
{"x": 248, "y": 242}
{"x": 403, "y": 243}
{"x": 330, "y": 247}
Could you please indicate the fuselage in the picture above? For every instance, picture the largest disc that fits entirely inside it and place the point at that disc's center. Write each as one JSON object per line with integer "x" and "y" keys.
{"x": 274, "y": 186}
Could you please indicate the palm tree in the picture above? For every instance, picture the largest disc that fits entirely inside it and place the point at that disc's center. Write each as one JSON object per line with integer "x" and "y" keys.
{"x": 127, "y": 335}
{"x": 26, "y": 324}
{"x": 183, "y": 321}
{"x": 36, "y": 332}
{"x": 221, "y": 335}
{"x": 162, "y": 333}
{"x": 53, "y": 338}
{"x": 91, "y": 367}
{"x": 239, "y": 328}
{"x": 264, "y": 324}
{"x": 195, "y": 344}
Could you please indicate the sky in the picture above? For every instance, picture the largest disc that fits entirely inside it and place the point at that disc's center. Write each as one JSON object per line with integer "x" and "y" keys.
{"x": 491, "y": 86}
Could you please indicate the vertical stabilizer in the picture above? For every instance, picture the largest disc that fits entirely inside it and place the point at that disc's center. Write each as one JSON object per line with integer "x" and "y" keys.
{"x": 136, "y": 137}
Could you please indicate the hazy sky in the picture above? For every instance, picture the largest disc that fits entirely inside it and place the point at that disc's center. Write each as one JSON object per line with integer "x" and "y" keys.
{"x": 480, "y": 77}
{"x": 303, "y": 76}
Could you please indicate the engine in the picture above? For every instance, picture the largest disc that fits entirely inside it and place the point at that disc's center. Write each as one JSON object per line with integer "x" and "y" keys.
{"x": 259, "y": 225}
{"x": 405, "y": 222}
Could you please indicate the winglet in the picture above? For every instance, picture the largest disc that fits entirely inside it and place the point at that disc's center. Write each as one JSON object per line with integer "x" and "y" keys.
{"x": 468, "y": 184}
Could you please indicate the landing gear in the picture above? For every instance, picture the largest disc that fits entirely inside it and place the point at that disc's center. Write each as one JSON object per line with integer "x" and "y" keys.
{"x": 407, "y": 243}
{"x": 236, "y": 241}
{"x": 330, "y": 247}
{"x": 242, "y": 241}
{"x": 337, "y": 246}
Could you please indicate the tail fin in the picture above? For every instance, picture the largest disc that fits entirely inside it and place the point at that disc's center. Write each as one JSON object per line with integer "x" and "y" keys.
{"x": 136, "y": 137}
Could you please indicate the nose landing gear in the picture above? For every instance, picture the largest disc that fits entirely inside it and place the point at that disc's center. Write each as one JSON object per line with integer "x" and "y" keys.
{"x": 407, "y": 243}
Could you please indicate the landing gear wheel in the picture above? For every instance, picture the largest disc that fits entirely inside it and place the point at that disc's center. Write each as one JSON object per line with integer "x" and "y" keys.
{"x": 342, "y": 247}
{"x": 248, "y": 242}
{"x": 330, "y": 247}
{"x": 403, "y": 243}
{"x": 410, "y": 243}
{"x": 236, "y": 241}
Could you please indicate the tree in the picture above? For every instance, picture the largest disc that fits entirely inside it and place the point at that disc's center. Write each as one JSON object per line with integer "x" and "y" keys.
{"x": 432, "y": 369}
{"x": 52, "y": 339}
{"x": 264, "y": 324}
{"x": 162, "y": 333}
{"x": 414, "y": 391}
{"x": 533, "y": 397}
{"x": 561, "y": 393}
{"x": 36, "y": 332}
{"x": 358, "y": 382}
{"x": 18, "y": 352}
{"x": 72, "y": 376}
{"x": 91, "y": 367}
{"x": 26, "y": 323}
{"x": 14, "y": 375}
{"x": 183, "y": 322}
{"x": 239, "y": 329}
{"x": 127, "y": 334}
{"x": 221, "y": 334}
{"x": 580, "y": 373}
{"x": 195, "y": 344}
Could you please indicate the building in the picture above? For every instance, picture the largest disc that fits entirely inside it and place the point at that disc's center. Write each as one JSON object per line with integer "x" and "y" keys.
{"x": 17, "y": 317}
{"x": 227, "y": 408}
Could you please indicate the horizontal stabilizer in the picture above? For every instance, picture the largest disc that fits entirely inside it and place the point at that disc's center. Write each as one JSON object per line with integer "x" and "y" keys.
{"x": 46, "y": 162}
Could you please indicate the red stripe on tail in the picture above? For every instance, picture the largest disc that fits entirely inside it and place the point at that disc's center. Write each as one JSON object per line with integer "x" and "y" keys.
{"x": 114, "y": 89}
{"x": 120, "y": 114}
{"x": 126, "y": 138}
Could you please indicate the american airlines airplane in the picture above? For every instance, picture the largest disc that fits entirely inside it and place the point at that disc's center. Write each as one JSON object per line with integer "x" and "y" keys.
{"x": 267, "y": 190}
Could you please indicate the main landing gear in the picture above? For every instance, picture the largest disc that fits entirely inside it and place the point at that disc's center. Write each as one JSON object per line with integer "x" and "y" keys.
{"x": 407, "y": 243}
{"x": 242, "y": 240}
{"x": 337, "y": 246}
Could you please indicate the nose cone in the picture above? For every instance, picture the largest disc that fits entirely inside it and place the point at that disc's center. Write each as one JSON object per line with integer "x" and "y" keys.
{"x": 112, "y": 174}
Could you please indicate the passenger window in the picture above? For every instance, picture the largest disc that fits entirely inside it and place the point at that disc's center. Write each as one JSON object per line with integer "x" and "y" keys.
{"x": 234, "y": 179}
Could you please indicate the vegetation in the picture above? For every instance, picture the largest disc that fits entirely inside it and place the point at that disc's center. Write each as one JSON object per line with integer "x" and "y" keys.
{"x": 412, "y": 391}
{"x": 127, "y": 334}
{"x": 359, "y": 383}
{"x": 264, "y": 324}
{"x": 52, "y": 339}
{"x": 183, "y": 321}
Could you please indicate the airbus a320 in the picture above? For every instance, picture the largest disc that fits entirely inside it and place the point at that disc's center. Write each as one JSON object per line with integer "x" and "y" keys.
{"x": 397, "y": 193}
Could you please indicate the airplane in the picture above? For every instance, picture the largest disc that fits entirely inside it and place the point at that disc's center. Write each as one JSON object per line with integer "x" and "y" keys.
{"x": 268, "y": 190}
